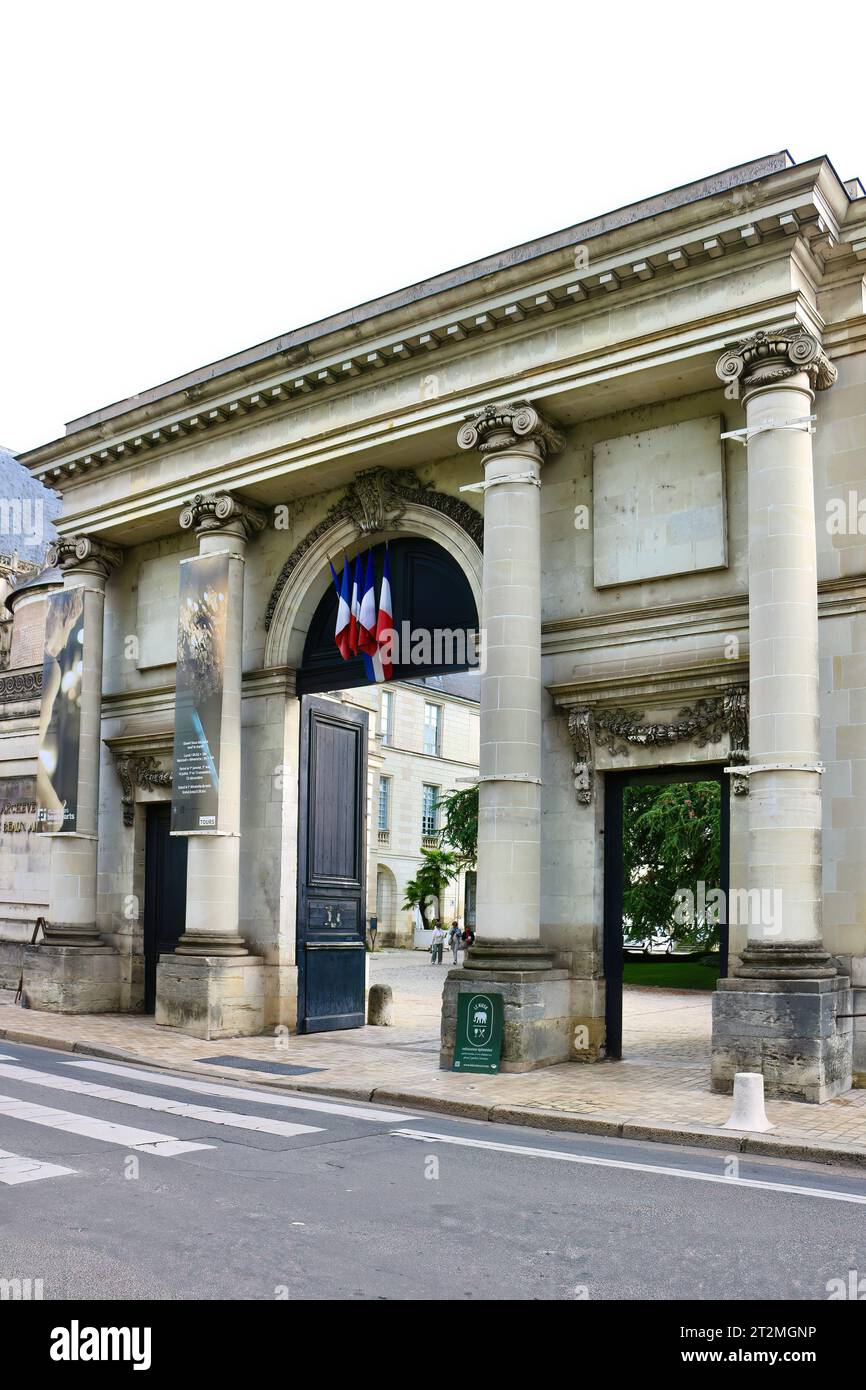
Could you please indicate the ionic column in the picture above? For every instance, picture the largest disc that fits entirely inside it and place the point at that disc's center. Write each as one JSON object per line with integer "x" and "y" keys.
{"x": 778, "y": 375}
{"x": 513, "y": 441}
{"x": 223, "y": 525}
{"x": 86, "y": 563}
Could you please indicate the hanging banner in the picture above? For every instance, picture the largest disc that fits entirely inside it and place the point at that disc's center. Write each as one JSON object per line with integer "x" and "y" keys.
{"x": 60, "y": 713}
{"x": 201, "y": 640}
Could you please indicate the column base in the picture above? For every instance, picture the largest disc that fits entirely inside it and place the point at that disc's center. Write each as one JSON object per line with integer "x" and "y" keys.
{"x": 538, "y": 1027}
{"x": 508, "y": 955}
{"x": 211, "y": 996}
{"x": 72, "y": 979}
{"x": 794, "y": 961}
{"x": 216, "y": 945}
{"x": 787, "y": 1029}
{"x": 71, "y": 934}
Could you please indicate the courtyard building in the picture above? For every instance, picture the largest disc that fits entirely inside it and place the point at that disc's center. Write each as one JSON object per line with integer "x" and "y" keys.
{"x": 627, "y": 463}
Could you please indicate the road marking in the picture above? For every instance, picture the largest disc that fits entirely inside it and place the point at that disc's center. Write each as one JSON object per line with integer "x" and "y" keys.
{"x": 211, "y": 1088}
{"x": 205, "y": 1113}
{"x": 525, "y": 1151}
{"x": 85, "y": 1125}
{"x": 14, "y": 1169}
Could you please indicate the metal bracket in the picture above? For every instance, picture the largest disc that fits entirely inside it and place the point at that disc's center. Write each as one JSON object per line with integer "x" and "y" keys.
{"x": 509, "y": 478}
{"x": 510, "y": 777}
{"x": 746, "y": 769}
{"x": 803, "y": 423}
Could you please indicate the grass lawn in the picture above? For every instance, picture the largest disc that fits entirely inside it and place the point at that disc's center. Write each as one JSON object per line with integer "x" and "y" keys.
{"x": 670, "y": 974}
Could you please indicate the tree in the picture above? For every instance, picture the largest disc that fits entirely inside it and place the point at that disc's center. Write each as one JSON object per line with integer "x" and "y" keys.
{"x": 438, "y": 868}
{"x": 671, "y": 843}
{"x": 460, "y": 828}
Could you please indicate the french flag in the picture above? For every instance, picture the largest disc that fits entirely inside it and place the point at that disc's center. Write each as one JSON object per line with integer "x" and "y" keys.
{"x": 367, "y": 613}
{"x": 355, "y": 609}
{"x": 385, "y": 634}
{"x": 342, "y": 631}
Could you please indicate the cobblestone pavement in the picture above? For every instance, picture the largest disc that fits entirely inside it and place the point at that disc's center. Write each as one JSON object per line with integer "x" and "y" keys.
{"x": 662, "y": 1081}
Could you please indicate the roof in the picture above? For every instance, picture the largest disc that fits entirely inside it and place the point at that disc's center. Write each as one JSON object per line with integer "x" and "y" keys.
{"x": 297, "y": 339}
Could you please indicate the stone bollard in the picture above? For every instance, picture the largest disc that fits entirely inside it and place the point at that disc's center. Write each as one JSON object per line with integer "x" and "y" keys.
{"x": 748, "y": 1112}
{"x": 380, "y": 1006}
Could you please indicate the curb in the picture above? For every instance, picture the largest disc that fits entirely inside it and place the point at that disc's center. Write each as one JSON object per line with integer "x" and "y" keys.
{"x": 532, "y": 1117}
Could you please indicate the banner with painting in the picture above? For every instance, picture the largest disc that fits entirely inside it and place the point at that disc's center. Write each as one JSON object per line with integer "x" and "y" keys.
{"x": 201, "y": 639}
{"x": 58, "y": 754}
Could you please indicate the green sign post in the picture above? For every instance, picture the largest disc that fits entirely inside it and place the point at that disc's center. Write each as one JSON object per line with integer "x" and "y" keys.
{"x": 478, "y": 1045}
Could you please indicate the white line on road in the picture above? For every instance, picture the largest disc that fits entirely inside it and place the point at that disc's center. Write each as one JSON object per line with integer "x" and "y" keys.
{"x": 73, "y": 1086}
{"x": 85, "y": 1125}
{"x": 14, "y": 1169}
{"x": 525, "y": 1151}
{"x": 210, "y": 1088}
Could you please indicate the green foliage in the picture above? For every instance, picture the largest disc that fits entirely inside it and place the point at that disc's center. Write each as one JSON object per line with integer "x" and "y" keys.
{"x": 460, "y": 826}
{"x": 671, "y": 842}
{"x": 438, "y": 868}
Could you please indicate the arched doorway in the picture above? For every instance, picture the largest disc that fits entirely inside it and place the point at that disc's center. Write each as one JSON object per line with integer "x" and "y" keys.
{"x": 386, "y": 905}
{"x": 435, "y": 588}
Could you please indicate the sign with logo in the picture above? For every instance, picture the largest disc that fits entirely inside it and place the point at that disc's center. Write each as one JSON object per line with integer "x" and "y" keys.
{"x": 57, "y": 766}
{"x": 478, "y": 1044}
{"x": 201, "y": 636}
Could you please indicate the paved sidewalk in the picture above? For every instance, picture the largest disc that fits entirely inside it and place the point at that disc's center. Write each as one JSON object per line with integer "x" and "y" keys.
{"x": 659, "y": 1091}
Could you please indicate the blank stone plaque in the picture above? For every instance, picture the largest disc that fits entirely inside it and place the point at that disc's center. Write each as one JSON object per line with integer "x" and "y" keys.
{"x": 659, "y": 503}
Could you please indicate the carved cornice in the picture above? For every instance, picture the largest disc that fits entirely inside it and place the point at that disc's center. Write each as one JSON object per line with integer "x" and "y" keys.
{"x": 375, "y": 502}
{"x": 83, "y": 552}
{"x": 772, "y": 356}
{"x": 23, "y": 685}
{"x": 498, "y": 427}
{"x": 140, "y": 770}
{"x": 703, "y": 723}
{"x": 221, "y": 511}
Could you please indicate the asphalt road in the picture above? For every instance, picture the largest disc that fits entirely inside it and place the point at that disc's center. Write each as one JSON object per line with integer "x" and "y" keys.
{"x": 117, "y": 1182}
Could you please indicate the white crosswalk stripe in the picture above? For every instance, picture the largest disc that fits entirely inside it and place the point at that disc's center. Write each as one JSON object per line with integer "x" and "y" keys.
{"x": 207, "y": 1114}
{"x": 210, "y": 1088}
{"x": 14, "y": 1168}
{"x": 143, "y": 1140}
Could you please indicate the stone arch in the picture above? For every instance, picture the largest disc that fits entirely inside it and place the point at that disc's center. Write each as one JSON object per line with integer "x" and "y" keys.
{"x": 296, "y": 599}
{"x": 386, "y": 902}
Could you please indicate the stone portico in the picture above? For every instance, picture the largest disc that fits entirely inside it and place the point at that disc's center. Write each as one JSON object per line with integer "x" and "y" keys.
{"x": 610, "y": 434}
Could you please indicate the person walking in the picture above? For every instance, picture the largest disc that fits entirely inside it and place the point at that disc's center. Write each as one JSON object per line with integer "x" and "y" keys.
{"x": 437, "y": 944}
{"x": 455, "y": 940}
{"x": 468, "y": 938}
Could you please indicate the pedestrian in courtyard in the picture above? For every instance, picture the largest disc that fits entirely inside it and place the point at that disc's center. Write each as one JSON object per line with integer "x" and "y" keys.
{"x": 455, "y": 940}
{"x": 468, "y": 938}
{"x": 437, "y": 945}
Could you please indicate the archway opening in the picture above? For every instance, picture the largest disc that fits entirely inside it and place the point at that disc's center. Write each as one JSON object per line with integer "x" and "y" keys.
{"x": 666, "y": 896}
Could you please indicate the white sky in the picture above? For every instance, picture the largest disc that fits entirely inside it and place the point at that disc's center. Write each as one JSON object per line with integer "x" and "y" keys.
{"x": 180, "y": 181}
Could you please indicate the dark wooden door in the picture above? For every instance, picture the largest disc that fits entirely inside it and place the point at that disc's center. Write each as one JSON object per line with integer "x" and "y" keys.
{"x": 164, "y": 894}
{"x": 332, "y": 850}
{"x": 614, "y": 884}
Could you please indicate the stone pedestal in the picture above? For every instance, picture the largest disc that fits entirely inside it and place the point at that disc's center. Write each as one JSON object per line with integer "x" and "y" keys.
{"x": 211, "y": 996}
{"x": 778, "y": 1013}
{"x": 537, "y": 1022}
{"x": 509, "y": 956}
{"x": 72, "y": 979}
{"x": 789, "y": 1030}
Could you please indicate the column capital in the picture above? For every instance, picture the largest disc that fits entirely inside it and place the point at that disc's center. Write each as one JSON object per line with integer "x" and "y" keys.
{"x": 221, "y": 511}
{"x": 770, "y": 356}
{"x": 498, "y": 427}
{"x": 84, "y": 552}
